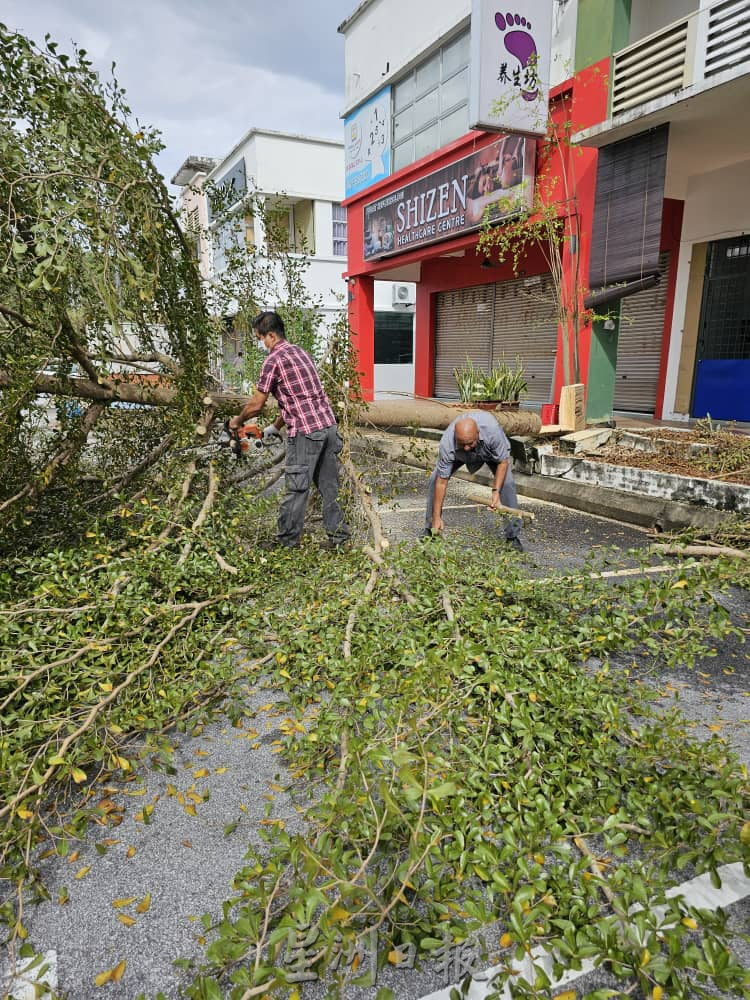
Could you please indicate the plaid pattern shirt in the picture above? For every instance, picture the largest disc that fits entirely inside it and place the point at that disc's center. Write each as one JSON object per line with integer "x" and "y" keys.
{"x": 289, "y": 374}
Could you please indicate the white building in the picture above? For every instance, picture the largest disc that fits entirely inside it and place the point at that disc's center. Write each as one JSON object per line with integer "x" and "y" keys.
{"x": 301, "y": 182}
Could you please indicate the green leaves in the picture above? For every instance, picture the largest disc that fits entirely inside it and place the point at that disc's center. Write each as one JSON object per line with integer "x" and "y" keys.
{"x": 460, "y": 798}
{"x": 495, "y": 770}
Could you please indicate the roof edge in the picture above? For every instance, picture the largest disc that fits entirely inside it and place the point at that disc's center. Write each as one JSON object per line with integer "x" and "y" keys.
{"x": 347, "y": 22}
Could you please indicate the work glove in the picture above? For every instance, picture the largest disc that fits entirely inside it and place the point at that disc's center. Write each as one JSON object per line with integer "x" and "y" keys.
{"x": 270, "y": 434}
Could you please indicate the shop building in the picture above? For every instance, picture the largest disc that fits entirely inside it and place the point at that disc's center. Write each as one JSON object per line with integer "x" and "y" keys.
{"x": 680, "y": 76}
{"x": 659, "y": 214}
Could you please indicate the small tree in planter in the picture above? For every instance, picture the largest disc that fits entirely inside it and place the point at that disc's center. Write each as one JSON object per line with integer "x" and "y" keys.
{"x": 469, "y": 380}
{"x": 552, "y": 226}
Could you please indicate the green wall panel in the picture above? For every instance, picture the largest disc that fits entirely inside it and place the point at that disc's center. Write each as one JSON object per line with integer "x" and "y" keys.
{"x": 600, "y": 396}
{"x": 603, "y": 28}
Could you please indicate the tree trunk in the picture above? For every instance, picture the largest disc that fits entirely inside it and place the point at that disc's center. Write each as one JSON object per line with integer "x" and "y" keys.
{"x": 430, "y": 413}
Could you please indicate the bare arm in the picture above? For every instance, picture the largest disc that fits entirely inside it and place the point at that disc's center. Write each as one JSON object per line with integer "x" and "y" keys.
{"x": 441, "y": 485}
{"x": 500, "y": 474}
{"x": 251, "y": 409}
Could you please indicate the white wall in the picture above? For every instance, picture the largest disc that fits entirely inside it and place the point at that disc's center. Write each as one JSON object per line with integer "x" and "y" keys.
{"x": 300, "y": 167}
{"x": 563, "y": 55}
{"x": 304, "y": 169}
{"x": 393, "y": 380}
{"x": 389, "y": 35}
{"x": 647, "y": 16}
{"x": 384, "y": 294}
{"x": 717, "y": 204}
{"x": 323, "y": 224}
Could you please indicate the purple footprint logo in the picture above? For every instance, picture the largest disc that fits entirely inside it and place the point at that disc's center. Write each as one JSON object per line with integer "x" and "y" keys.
{"x": 520, "y": 43}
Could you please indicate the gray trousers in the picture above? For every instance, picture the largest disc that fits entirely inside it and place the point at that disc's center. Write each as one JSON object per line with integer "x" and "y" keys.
{"x": 311, "y": 458}
{"x": 508, "y": 496}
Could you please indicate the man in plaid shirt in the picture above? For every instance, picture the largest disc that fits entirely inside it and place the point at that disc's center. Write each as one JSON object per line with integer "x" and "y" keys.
{"x": 313, "y": 440}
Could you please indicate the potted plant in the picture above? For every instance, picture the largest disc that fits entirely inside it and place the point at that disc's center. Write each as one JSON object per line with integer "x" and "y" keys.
{"x": 506, "y": 385}
{"x": 500, "y": 387}
{"x": 469, "y": 378}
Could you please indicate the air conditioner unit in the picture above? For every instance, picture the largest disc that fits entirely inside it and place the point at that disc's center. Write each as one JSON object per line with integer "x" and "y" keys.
{"x": 403, "y": 295}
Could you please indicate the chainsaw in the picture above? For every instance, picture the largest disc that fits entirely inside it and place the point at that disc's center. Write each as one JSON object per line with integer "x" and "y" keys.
{"x": 242, "y": 439}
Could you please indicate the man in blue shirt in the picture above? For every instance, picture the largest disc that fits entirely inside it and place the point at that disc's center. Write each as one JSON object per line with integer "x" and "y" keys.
{"x": 474, "y": 439}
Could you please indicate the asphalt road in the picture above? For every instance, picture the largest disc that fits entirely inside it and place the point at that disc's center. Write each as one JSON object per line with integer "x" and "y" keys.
{"x": 175, "y": 841}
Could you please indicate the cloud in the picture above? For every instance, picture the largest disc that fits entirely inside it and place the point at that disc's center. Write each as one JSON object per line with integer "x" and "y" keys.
{"x": 203, "y": 73}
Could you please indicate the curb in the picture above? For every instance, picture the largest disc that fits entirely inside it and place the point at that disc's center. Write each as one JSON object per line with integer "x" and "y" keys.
{"x": 630, "y": 508}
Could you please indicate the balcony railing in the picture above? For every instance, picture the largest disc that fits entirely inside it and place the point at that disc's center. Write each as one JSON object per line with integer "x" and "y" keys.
{"x": 709, "y": 42}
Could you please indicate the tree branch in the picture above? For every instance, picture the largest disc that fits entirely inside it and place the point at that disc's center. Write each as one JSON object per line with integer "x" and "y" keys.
{"x": 78, "y": 352}
{"x": 73, "y": 444}
{"x": 153, "y": 456}
{"x": 154, "y": 357}
{"x": 213, "y": 485}
{"x": 12, "y": 314}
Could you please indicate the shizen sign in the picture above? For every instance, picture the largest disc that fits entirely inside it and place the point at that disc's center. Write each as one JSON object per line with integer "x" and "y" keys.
{"x": 453, "y": 200}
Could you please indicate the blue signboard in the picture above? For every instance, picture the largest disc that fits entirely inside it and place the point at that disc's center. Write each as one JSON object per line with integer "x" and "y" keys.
{"x": 722, "y": 390}
{"x": 367, "y": 143}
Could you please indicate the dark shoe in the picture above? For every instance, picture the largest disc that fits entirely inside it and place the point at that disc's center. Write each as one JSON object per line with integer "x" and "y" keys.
{"x": 515, "y": 543}
{"x": 335, "y": 544}
{"x": 429, "y": 533}
{"x": 274, "y": 544}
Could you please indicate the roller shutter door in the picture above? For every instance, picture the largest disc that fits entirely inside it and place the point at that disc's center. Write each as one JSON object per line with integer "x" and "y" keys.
{"x": 463, "y": 327}
{"x": 639, "y": 346}
{"x": 507, "y": 320}
{"x": 525, "y": 327}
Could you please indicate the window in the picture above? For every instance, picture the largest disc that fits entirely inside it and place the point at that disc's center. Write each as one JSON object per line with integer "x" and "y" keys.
{"x": 291, "y": 227}
{"x": 194, "y": 232}
{"x": 431, "y": 103}
{"x": 227, "y": 241}
{"x": 394, "y": 337}
{"x": 338, "y": 214}
{"x": 234, "y": 236}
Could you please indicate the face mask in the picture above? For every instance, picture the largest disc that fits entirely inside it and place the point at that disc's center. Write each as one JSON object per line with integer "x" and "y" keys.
{"x": 262, "y": 346}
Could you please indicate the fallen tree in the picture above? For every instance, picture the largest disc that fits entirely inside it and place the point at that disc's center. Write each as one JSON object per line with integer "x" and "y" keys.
{"x": 101, "y": 299}
{"x": 432, "y": 413}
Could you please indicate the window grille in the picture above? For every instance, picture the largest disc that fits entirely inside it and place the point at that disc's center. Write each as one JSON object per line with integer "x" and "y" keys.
{"x": 725, "y": 326}
{"x": 430, "y": 104}
{"x": 338, "y": 215}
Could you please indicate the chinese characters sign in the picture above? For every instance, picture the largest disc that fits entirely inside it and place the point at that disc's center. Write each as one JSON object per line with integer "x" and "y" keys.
{"x": 304, "y": 959}
{"x": 510, "y": 66}
{"x": 453, "y": 200}
{"x": 367, "y": 143}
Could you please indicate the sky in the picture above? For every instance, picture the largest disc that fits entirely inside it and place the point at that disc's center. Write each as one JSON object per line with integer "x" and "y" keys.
{"x": 204, "y": 72}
